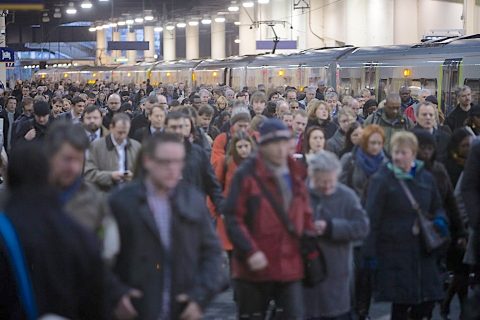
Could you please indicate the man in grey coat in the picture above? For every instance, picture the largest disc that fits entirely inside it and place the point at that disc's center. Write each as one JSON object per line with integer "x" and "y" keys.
{"x": 340, "y": 220}
{"x": 336, "y": 143}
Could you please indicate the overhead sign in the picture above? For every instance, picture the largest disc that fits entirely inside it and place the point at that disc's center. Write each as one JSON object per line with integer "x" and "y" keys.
{"x": 282, "y": 44}
{"x": 128, "y": 45}
{"x": 22, "y": 4}
{"x": 7, "y": 55}
{"x": 10, "y": 65}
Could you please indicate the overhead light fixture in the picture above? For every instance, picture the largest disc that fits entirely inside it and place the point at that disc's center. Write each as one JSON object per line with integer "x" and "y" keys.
{"x": 71, "y": 9}
{"x": 98, "y": 28}
{"x": 181, "y": 25}
{"x": 121, "y": 23}
{"x": 113, "y": 24}
{"x": 237, "y": 41}
{"x": 158, "y": 29}
{"x": 193, "y": 23}
{"x": 170, "y": 27}
{"x": 237, "y": 23}
{"x": 129, "y": 21}
{"x": 106, "y": 26}
{"x": 57, "y": 14}
{"x": 86, "y": 4}
{"x": 233, "y": 8}
{"x": 248, "y": 4}
{"x": 220, "y": 19}
{"x": 92, "y": 29}
{"x": 45, "y": 17}
{"x": 103, "y": 0}
{"x": 149, "y": 18}
{"x": 139, "y": 20}
{"x": 263, "y": 1}
{"x": 206, "y": 21}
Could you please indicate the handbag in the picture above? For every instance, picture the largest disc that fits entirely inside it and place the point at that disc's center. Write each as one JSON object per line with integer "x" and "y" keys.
{"x": 314, "y": 265}
{"x": 432, "y": 239}
{"x": 17, "y": 263}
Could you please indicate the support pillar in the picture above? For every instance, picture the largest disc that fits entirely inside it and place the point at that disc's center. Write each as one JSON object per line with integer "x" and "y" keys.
{"x": 470, "y": 25}
{"x": 149, "y": 35}
{"x": 356, "y": 22}
{"x": 169, "y": 52}
{"x": 116, "y": 53}
{"x": 406, "y": 33}
{"x": 380, "y": 19}
{"x": 315, "y": 25}
{"x": 100, "y": 55}
{"x": 218, "y": 40}
{"x": 192, "y": 42}
{"x": 131, "y": 54}
{"x": 247, "y": 36}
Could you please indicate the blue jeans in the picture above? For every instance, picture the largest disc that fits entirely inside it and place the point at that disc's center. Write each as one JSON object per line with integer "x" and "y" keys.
{"x": 253, "y": 299}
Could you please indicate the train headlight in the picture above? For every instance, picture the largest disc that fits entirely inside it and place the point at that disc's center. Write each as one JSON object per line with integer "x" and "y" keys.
{"x": 407, "y": 72}
{"x": 215, "y": 73}
{"x": 65, "y": 75}
{"x": 281, "y": 73}
{"x": 168, "y": 74}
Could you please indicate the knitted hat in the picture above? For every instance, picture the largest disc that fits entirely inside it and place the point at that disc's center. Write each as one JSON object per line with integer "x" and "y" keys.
{"x": 432, "y": 99}
{"x": 240, "y": 114}
{"x": 41, "y": 108}
{"x": 273, "y": 130}
{"x": 424, "y": 137}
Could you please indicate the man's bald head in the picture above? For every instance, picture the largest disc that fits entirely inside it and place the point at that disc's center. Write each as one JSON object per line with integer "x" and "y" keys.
{"x": 114, "y": 102}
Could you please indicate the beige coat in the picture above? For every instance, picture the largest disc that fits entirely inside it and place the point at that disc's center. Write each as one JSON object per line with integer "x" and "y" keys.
{"x": 102, "y": 160}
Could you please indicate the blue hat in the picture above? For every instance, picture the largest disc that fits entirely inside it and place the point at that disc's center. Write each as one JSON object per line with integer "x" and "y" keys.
{"x": 273, "y": 130}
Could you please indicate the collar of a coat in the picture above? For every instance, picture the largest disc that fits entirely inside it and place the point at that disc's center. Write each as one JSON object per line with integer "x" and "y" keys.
{"x": 110, "y": 145}
{"x": 402, "y": 175}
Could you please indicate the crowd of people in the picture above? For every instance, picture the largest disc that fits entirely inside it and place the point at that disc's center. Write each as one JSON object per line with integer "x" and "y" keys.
{"x": 135, "y": 202}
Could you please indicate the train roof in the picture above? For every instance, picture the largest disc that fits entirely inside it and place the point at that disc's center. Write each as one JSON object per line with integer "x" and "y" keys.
{"x": 231, "y": 62}
{"x": 175, "y": 65}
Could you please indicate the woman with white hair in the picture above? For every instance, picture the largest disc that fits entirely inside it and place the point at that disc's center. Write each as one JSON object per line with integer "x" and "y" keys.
{"x": 340, "y": 220}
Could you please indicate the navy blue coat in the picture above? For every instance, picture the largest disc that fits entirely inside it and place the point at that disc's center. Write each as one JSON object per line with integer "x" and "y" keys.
{"x": 407, "y": 274}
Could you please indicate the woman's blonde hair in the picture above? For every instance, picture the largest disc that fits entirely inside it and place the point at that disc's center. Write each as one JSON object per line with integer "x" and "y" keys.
{"x": 312, "y": 108}
{"x": 404, "y": 138}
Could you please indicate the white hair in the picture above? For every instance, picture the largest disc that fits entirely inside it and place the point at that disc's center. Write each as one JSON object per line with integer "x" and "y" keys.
{"x": 324, "y": 161}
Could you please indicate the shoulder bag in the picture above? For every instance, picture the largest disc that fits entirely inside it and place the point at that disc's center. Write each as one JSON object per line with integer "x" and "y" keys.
{"x": 315, "y": 268}
{"x": 431, "y": 237}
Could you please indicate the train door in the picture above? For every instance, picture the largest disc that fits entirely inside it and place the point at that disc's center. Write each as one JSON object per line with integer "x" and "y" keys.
{"x": 227, "y": 76}
{"x": 450, "y": 77}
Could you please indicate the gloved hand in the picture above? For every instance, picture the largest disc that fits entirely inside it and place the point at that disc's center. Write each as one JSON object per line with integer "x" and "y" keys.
{"x": 370, "y": 263}
{"x": 441, "y": 225}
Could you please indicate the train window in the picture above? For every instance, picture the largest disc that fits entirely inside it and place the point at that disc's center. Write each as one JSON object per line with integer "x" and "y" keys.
{"x": 449, "y": 84}
{"x": 474, "y": 84}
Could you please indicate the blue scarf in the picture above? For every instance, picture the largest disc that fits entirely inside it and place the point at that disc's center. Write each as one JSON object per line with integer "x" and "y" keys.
{"x": 368, "y": 163}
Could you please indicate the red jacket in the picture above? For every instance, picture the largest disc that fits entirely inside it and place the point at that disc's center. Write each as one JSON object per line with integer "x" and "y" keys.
{"x": 253, "y": 225}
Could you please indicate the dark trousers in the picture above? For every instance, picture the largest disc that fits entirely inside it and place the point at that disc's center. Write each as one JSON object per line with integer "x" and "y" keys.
{"x": 347, "y": 316}
{"x": 363, "y": 285}
{"x": 414, "y": 312}
{"x": 253, "y": 299}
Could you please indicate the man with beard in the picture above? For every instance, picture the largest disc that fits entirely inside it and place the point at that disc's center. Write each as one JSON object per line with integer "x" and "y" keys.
{"x": 34, "y": 129}
{"x": 92, "y": 123}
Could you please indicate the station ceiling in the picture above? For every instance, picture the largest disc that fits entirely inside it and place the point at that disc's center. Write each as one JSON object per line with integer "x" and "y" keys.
{"x": 117, "y": 9}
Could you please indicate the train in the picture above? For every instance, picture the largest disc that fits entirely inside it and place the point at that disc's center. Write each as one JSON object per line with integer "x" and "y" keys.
{"x": 440, "y": 65}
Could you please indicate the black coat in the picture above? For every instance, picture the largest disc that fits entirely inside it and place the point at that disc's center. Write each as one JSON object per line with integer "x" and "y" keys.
{"x": 471, "y": 195}
{"x": 139, "y": 122}
{"x": 66, "y": 268}
{"x": 6, "y": 125}
{"x": 142, "y": 134}
{"x": 442, "y": 139}
{"x": 456, "y": 118}
{"x": 407, "y": 274}
{"x": 25, "y": 126}
{"x": 198, "y": 171}
{"x": 329, "y": 127}
{"x": 196, "y": 262}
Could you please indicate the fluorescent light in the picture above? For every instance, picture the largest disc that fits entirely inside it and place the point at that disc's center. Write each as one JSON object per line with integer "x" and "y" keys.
{"x": 236, "y": 40}
{"x": 103, "y": 0}
{"x": 181, "y": 25}
{"x": 86, "y": 4}
{"x": 263, "y": 1}
{"x": 92, "y": 29}
{"x": 121, "y": 23}
{"x": 71, "y": 9}
{"x": 193, "y": 23}
{"x": 106, "y": 26}
{"x": 170, "y": 27}
{"x": 233, "y": 8}
{"x": 139, "y": 20}
{"x": 237, "y": 23}
{"x": 158, "y": 29}
{"x": 149, "y": 18}
{"x": 206, "y": 21}
{"x": 98, "y": 28}
{"x": 248, "y": 4}
{"x": 57, "y": 14}
{"x": 220, "y": 19}
{"x": 129, "y": 21}
{"x": 113, "y": 25}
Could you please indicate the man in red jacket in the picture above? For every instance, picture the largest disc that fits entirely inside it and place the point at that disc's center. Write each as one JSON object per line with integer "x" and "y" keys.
{"x": 267, "y": 263}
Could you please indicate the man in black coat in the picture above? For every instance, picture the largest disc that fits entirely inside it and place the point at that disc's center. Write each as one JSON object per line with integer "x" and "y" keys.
{"x": 470, "y": 186}
{"x": 170, "y": 257}
{"x": 36, "y": 128}
{"x": 141, "y": 120}
{"x": 66, "y": 270}
{"x": 9, "y": 114}
{"x": 456, "y": 118}
{"x": 425, "y": 115}
{"x": 198, "y": 170}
